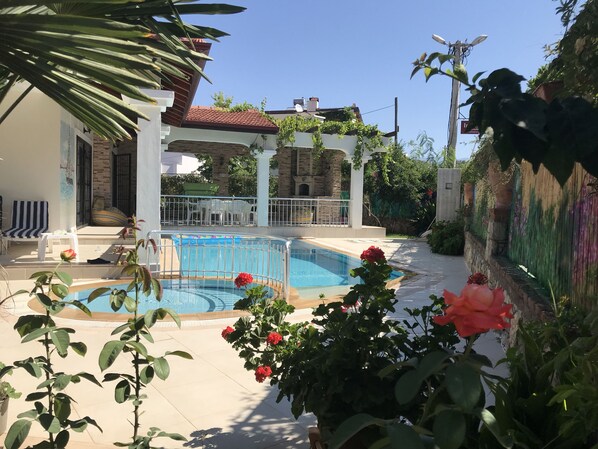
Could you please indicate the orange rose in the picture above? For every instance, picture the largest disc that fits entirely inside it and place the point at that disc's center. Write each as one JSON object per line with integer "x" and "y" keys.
{"x": 477, "y": 310}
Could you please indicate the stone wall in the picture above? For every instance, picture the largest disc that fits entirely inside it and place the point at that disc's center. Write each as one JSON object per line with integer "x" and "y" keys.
{"x": 102, "y": 169}
{"x": 528, "y": 299}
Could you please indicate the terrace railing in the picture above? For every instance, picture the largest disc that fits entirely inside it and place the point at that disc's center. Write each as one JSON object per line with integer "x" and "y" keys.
{"x": 204, "y": 255}
{"x": 182, "y": 210}
{"x": 308, "y": 212}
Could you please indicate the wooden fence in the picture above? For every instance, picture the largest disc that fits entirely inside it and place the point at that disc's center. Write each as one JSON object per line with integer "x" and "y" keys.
{"x": 553, "y": 232}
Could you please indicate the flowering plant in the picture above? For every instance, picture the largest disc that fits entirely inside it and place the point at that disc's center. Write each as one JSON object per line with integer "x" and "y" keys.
{"x": 330, "y": 366}
{"x": 447, "y": 383}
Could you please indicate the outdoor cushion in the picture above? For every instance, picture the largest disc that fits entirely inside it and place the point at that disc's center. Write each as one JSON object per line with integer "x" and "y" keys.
{"x": 29, "y": 219}
{"x": 109, "y": 217}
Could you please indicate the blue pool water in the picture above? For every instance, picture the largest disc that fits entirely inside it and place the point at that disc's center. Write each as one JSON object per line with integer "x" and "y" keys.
{"x": 181, "y": 295}
{"x": 314, "y": 270}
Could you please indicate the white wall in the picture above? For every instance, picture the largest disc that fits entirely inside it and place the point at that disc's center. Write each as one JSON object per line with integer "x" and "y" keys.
{"x": 448, "y": 196}
{"x": 33, "y": 165}
{"x": 178, "y": 163}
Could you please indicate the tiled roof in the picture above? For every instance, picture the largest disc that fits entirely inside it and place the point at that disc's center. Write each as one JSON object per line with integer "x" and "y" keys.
{"x": 214, "y": 118}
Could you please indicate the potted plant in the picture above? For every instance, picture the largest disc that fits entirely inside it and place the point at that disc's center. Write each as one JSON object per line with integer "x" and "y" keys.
{"x": 331, "y": 366}
{"x": 7, "y": 391}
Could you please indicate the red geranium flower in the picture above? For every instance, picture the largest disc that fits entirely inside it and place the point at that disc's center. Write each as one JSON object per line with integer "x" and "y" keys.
{"x": 477, "y": 310}
{"x": 477, "y": 278}
{"x": 243, "y": 279}
{"x": 373, "y": 254}
{"x": 273, "y": 338}
{"x": 226, "y": 332}
{"x": 67, "y": 255}
{"x": 262, "y": 372}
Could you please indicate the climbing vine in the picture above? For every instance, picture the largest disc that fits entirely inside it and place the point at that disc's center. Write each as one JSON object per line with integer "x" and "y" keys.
{"x": 369, "y": 137}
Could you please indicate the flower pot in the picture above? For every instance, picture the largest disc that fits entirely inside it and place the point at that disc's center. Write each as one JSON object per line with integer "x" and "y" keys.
{"x": 3, "y": 414}
{"x": 315, "y": 440}
{"x": 501, "y": 185}
{"x": 468, "y": 193}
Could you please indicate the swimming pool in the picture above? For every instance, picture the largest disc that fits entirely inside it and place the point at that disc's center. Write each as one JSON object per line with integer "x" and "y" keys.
{"x": 184, "y": 296}
{"x": 313, "y": 271}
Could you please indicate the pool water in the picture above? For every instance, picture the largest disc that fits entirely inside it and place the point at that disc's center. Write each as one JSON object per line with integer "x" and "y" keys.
{"x": 182, "y": 295}
{"x": 314, "y": 271}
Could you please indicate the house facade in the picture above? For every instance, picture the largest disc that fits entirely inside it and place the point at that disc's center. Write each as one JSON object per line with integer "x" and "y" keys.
{"x": 64, "y": 164}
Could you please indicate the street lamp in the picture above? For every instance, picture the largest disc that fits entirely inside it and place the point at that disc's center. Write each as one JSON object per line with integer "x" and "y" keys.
{"x": 460, "y": 51}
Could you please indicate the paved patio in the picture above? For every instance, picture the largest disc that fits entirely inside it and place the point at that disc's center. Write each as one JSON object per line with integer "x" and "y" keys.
{"x": 212, "y": 399}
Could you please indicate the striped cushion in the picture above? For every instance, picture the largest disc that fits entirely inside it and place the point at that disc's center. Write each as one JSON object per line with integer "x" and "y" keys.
{"x": 29, "y": 219}
{"x": 112, "y": 217}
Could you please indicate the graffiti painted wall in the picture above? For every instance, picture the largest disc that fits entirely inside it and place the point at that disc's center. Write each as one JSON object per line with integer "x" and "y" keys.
{"x": 554, "y": 232}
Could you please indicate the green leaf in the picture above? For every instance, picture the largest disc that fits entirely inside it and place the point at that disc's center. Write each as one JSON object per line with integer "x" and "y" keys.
{"x": 116, "y": 300}
{"x": 79, "y": 347}
{"x": 44, "y": 299}
{"x": 97, "y": 293}
{"x": 351, "y": 427}
{"x": 147, "y": 374}
{"x": 408, "y": 386}
{"x": 492, "y": 425}
{"x": 109, "y": 353}
{"x": 62, "y": 439}
{"x": 89, "y": 377}
{"x": 402, "y": 435}
{"x": 35, "y": 334}
{"x": 62, "y": 407}
{"x": 463, "y": 385}
{"x": 61, "y": 341}
{"x": 36, "y": 395}
{"x": 64, "y": 277}
{"x": 61, "y": 381}
{"x": 17, "y": 434}
{"x": 461, "y": 73}
{"x": 431, "y": 363}
{"x": 130, "y": 304}
{"x": 182, "y": 354}
{"x": 60, "y": 290}
{"x": 122, "y": 391}
{"x": 449, "y": 429}
{"x": 162, "y": 368}
{"x": 82, "y": 307}
{"x": 49, "y": 422}
{"x": 79, "y": 425}
{"x": 138, "y": 347}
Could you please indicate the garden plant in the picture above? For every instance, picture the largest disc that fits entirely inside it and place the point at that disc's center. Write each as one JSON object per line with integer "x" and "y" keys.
{"x": 52, "y": 405}
{"x": 331, "y": 366}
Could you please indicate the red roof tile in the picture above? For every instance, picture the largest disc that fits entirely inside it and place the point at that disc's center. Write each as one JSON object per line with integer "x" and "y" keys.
{"x": 214, "y": 118}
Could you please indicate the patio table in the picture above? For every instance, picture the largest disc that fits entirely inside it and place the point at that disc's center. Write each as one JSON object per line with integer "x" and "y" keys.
{"x": 47, "y": 240}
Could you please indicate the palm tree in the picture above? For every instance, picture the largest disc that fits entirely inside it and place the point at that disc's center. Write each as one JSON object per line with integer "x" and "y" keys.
{"x": 85, "y": 55}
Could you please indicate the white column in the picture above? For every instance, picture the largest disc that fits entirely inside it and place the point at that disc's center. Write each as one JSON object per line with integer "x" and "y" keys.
{"x": 263, "y": 185}
{"x": 149, "y": 149}
{"x": 356, "y": 194}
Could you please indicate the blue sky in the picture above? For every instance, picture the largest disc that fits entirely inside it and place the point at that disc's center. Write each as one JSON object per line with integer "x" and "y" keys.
{"x": 349, "y": 51}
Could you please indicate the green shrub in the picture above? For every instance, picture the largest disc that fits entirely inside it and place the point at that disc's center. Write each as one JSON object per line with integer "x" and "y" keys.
{"x": 447, "y": 238}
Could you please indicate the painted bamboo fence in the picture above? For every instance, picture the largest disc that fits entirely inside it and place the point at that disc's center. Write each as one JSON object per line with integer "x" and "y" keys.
{"x": 554, "y": 232}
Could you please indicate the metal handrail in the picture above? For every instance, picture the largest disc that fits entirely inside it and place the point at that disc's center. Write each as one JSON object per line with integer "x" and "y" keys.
{"x": 221, "y": 256}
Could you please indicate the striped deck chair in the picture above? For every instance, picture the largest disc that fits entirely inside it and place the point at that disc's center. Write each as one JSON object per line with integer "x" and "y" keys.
{"x": 29, "y": 220}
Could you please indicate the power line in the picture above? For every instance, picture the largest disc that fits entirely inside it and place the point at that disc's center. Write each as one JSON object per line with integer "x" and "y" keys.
{"x": 380, "y": 109}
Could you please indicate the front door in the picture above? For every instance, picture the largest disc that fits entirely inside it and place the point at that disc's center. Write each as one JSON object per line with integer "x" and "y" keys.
{"x": 84, "y": 174}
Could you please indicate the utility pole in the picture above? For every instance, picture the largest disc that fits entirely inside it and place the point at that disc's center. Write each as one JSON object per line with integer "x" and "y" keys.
{"x": 396, "y": 120}
{"x": 451, "y": 151}
{"x": 460, "y": 50}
